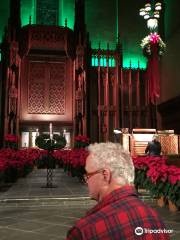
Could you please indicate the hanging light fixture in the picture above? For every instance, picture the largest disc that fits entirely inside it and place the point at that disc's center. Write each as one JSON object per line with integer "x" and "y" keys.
{"x": 156, "y": 14}
{"x": 142, "y": 12}
{"x": 147, "y": 7}
{"x": 150, "y": 12}
{"x": 158, "y": 6}
{"x": 152, "y": 23}
{"x": 146, "y": 16}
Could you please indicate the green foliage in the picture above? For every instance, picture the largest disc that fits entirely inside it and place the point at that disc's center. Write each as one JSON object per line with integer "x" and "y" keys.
{"x": 140, "y": 177}
{"x": 47, "y": 161}
{"x": 43, "y": 141}
{"x": 172, "y": 192}
{"x": 158, "y": 189}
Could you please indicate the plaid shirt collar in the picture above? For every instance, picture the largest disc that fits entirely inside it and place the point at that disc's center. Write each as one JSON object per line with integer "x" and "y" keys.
{"x": 117, "y": 194}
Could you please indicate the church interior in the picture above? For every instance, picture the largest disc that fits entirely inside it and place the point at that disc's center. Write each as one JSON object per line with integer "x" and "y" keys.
{"x": 63, "y": 65}
{"x": 75, "y": 72}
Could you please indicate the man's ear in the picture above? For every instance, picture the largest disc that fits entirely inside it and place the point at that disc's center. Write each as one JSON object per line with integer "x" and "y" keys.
{"x": 107, "y": 175}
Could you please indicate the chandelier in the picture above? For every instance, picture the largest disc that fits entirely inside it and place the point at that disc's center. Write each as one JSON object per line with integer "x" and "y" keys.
{"x": 151, "y": 13}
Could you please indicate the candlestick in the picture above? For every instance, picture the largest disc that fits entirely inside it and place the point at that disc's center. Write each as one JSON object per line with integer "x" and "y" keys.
{"x": 37, "y": 132}
{"x": 50, "y": 131}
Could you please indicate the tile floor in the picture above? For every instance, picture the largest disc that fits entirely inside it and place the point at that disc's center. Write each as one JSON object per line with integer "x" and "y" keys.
{"x": 29, "y": 210}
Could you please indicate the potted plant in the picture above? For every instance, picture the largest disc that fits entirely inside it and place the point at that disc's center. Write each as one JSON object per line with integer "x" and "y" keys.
{"x": 172, "y": 188}
{"x": 81, "y": 141}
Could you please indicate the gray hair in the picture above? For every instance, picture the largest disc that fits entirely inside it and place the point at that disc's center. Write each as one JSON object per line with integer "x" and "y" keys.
{"x": 116, "y": 158}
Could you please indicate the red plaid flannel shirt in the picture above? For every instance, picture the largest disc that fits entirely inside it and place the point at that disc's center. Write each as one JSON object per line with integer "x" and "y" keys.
{"x": 116, "y": 217}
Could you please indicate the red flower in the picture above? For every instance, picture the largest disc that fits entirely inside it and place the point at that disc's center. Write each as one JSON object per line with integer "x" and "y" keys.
{"x": 11, "y": 138}
{"x": 173, "y": 174}
{"x": 81, "y": 138}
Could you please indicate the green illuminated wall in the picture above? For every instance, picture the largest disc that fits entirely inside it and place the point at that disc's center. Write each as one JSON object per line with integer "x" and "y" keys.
{"x": 103, "y": 18}
{"x": 132, "y": 29}
{"x": 66, "y": 10}
{"x": 4, "y": 12}
{"x": 27, "y": 10}
{"x": 101, "y": 23}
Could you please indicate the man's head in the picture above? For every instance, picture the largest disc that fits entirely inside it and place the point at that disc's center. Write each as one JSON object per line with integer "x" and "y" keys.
{"x": 155, "y": 137}
{"x": 108, "y": 167}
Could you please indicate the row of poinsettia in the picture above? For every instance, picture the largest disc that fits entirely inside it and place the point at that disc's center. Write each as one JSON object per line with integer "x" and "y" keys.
{"x": 73, "y": 161}
{"x": 16, "y": 163}
{"x": 153, "y": 174}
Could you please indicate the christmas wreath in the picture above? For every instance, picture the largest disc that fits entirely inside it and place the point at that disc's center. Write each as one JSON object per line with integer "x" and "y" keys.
{"x": 148, "y": 41}
{"x": 43, "y": 141}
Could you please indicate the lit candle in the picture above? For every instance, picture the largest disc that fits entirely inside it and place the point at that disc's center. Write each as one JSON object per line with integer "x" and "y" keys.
{"x": 37, "y": 132}
{"x": 50, "y": 131}
{"x": 64, "y": 132}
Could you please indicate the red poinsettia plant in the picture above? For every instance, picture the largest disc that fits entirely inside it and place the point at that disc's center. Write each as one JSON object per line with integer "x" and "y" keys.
{"x": 153, "y": 39}
{"x": 16, "y": 163}
{"x": 73, "y": 161}
{"x": 11, "y": 138}
{"x": 154, "y": 174}
{"x": 81, "y": 141}
{"x": 11, "y": 141}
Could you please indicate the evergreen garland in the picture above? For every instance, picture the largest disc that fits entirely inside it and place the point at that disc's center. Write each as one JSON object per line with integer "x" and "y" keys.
{"x": 43, "y": 141}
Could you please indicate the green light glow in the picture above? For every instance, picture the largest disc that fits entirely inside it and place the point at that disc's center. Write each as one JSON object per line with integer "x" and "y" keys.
{"x": 133, "y": 61}
{"x": 103, "y": 44}
{"x": 103, "y": 62}
{"x": 101, "y": 25}
{"x": 111, "y": 62}
{"x": 61, "y": 6}
{"x": 96, "y": 61}
{"x": 27, "y": 10}
{"x": 66, "y": 11}
{"x": 117, "y": 19}
{"x": 92, "y": 61}
{"x": 127, "y": 63}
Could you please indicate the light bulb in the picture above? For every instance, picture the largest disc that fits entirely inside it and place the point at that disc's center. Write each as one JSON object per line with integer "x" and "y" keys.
{"x": 142, "y": 12}
{"x": 156, "y": 14}
{"x": 146, "y": 16}
{"x": 158, "y": 6}
{"x": 152, "y": 23}
{"x": 148, "y": 7}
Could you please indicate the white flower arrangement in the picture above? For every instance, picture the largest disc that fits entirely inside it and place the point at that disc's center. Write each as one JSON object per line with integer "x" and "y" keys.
{"x": 152, "y": 38}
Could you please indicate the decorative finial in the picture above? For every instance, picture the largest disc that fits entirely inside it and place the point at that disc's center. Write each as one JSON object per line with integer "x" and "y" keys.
{"x": 130, "y": 63}
{"x": 65, "y": 22}
{"x": 30, "y": 19}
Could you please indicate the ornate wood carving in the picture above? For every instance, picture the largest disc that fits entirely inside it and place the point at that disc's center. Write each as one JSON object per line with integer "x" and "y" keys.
{"x": 46, "y": 88}
{"x": 47, "y": 38}
{"x": 57, "y": 89}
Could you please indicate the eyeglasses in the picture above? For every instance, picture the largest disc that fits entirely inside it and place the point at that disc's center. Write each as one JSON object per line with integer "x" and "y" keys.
{"x": 87, "y": 176}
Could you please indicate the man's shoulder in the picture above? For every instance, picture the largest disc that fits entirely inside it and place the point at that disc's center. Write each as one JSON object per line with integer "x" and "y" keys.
{"x": 122, "y": 215}
{"x": 116, "y": 208}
